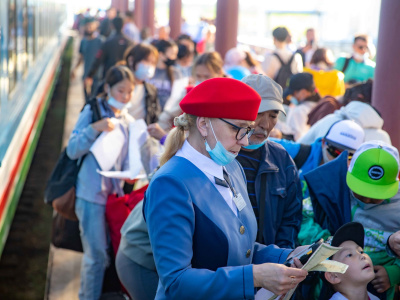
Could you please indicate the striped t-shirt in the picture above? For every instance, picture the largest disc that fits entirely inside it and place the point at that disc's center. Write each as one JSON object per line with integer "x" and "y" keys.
{"x": 250, "y": 161}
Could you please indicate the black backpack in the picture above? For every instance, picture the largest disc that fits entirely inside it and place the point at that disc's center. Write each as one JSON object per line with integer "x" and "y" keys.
{"x": 302, "y": 155}
{"x": 285, "y": 72}
{"x": 65, "y": 173}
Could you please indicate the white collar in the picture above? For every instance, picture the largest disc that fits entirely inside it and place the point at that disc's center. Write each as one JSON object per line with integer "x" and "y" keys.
{"x": 339, "y": 296}
{"x": 204, "y": 163}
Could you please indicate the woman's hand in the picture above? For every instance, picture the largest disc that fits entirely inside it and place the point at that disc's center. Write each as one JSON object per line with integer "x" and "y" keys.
{"x": 156, "y": 131}
{"x": 103, "y": 125}
{"x": 277, "y": 278}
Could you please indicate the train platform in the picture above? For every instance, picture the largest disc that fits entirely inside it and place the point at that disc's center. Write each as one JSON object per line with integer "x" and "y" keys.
{"x": 63, "y": 273}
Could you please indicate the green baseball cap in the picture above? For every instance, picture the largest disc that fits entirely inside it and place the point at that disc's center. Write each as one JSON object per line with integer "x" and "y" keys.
{"x": 373, "y": 170}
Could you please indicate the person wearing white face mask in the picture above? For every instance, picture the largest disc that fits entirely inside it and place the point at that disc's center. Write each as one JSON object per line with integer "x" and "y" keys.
{"x": 272, "y": 180}
{"x": 92, "y": 189}
{"x": 145, "y": 104}
{"x": 358, "y": 67}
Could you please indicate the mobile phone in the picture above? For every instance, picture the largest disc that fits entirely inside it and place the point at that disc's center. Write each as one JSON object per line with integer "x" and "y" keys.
{"x": 304, "y": 255}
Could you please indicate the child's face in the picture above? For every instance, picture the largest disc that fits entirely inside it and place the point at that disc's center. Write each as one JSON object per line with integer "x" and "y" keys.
{"x": 360, "y": 270}
{"x": 122, "y": 91}
{"x": 367, "y": 200}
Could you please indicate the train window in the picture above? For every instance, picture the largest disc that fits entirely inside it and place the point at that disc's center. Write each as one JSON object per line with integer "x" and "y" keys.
{"x": 12, "y": 44}
{"x": 22, "y": 24}
{"x": 30, "y": 37}
{"x": 24, "y": 36}
{"x": 38, "y": 37}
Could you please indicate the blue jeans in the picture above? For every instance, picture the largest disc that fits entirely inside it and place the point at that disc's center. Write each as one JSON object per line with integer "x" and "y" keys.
{"x": 93, "y": 231}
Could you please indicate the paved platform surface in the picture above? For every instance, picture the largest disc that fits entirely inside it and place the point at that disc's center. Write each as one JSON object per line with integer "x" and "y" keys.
{"x": 63, "y": 275}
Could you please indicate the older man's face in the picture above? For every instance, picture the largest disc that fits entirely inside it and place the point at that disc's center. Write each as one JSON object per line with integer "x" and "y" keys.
{"x": 263, "y": 125}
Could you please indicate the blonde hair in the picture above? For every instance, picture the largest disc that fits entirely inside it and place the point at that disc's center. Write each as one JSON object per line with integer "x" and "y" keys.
{"x": 212, "y": 61}
{"x": 176, "y": 137}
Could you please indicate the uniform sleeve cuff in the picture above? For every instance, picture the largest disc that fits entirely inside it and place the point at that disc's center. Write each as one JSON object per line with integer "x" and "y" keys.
{"x": 284, "y": 255}
{"x": 248, "y": 282}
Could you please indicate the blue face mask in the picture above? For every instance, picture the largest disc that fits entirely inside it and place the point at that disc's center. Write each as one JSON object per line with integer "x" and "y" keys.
{"x": 118, "y": 105}
{"x": 144, "y": 72}
{"x": 219, "y": 154}
{"x": 294, "y": 101}
{"x": 197, "y": 82}
{"x": 255, "y": 146}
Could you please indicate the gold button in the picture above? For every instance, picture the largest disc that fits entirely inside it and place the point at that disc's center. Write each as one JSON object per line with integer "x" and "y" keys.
{"x": 248, "y": 253}
{"x": 241, "y": 229}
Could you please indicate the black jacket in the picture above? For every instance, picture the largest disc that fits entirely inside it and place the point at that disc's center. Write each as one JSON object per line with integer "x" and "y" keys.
{"x": 152, "y": 103}
{"x": 110, "y": 53}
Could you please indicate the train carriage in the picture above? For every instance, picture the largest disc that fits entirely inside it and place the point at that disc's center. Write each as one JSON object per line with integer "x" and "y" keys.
{"x": 31, "y": 44}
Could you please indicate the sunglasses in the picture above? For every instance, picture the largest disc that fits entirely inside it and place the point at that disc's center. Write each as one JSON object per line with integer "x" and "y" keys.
{"x": 362, "y": 47}
{"x": 335, "y": 152}
{"x": 241, "y": 131}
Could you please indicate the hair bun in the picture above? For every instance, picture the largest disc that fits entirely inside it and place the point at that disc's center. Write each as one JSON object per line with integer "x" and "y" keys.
{"x": 181, "y": 122}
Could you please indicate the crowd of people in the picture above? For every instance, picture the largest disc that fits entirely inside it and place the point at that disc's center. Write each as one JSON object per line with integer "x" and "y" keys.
{"x": 254, "y": 161}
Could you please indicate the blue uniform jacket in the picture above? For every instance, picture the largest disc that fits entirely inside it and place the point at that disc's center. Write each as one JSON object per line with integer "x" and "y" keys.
{"x": 283, "y": 209}
{"x": 329, "y": 193}
{"x": 200, "y": 248}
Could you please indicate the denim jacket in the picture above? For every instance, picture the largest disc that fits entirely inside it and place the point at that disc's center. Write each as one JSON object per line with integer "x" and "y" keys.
{"x": 283, "y": 209}
{"x": 90, "y": 185}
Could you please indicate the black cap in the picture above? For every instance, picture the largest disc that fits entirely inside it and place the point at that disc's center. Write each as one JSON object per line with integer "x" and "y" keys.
{"x": 352, "y": 231}
{"x": 298, "y": 82}
{"x": 89, "y": 20}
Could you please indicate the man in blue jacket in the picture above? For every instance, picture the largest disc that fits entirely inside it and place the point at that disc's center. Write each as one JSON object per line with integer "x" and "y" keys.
{"x": 273, "y": 183}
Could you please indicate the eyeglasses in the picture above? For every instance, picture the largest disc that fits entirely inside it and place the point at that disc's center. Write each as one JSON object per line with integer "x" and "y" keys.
{"x": 241, "y": 131}
{"x": 335, "y": 152}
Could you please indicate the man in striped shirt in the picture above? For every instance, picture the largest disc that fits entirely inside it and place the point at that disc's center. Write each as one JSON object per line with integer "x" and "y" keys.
{"x": 272, "y": 180}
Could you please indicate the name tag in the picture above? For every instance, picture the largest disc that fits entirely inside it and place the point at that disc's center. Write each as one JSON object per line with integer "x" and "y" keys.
{"x": 239, "y": 202}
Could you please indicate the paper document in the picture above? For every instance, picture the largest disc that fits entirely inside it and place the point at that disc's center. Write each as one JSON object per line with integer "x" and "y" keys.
{"x": 264, "y": 294}
{"x": 107, "y": 147}
{"x": 178, "y": 91}
{"x": 317, "y": 262}
{"x": 330, "y": 266}
{"x": 137, "y": 136}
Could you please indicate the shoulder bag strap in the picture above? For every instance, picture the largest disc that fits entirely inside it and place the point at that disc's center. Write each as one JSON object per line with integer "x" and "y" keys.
{"x": 261, "y": 215}
{"x": 302, "y": 156}
{"x": 279, "y": 58}
{"x": 291, "y": 59}
{"x": 346, "y": 63}
{"x": 94, "y": 106}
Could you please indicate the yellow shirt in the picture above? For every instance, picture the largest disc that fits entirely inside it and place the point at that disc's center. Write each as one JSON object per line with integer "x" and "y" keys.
{"x": 328, "y": 83}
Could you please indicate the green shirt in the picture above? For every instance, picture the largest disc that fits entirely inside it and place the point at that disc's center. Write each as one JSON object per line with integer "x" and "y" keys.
{"x": 359, "y": 71}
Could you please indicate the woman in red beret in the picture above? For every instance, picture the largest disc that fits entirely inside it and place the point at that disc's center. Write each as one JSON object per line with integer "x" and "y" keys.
{"x": 201, "y": 223}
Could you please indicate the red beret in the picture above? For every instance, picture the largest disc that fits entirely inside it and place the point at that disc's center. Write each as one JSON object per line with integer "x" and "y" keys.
{"x": 222, "y": 98}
